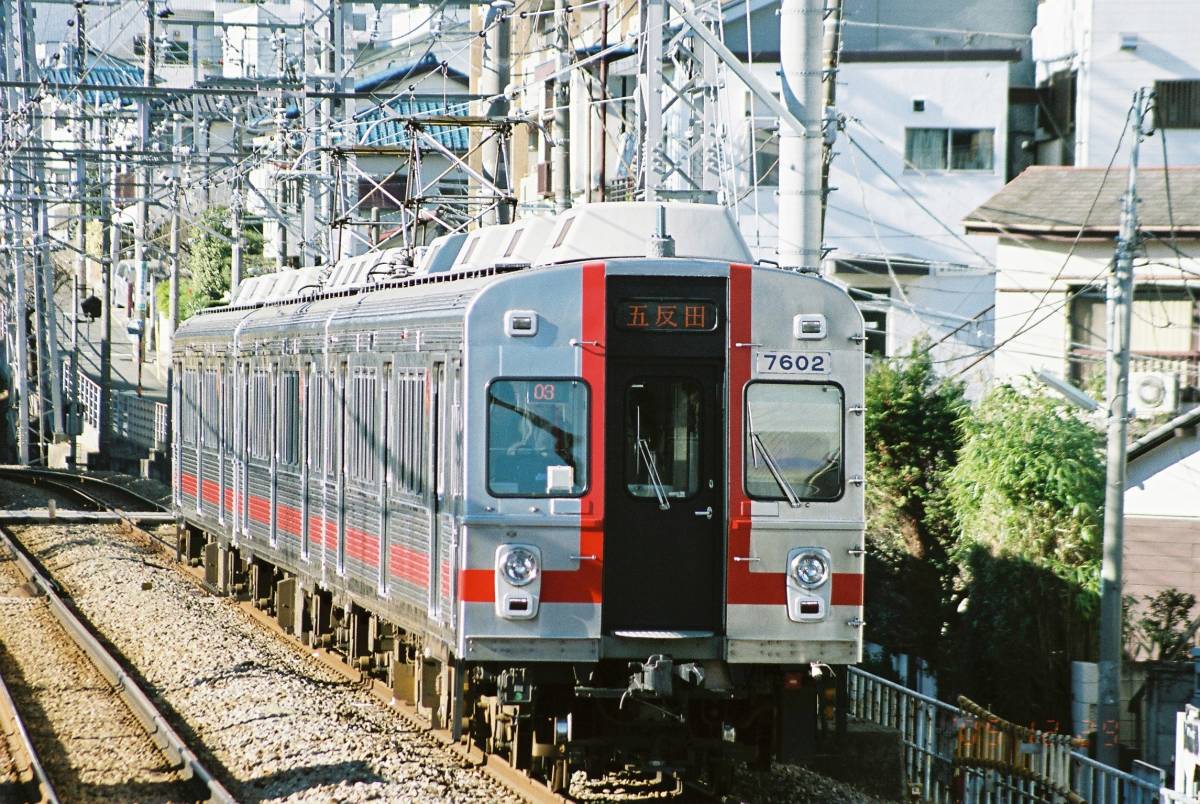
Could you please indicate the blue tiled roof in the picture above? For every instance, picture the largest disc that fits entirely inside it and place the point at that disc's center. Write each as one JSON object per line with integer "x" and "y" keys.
{"x": 113, "y": 74}
{"x": 400, "y": 72}
{"x": 385, "y": 125}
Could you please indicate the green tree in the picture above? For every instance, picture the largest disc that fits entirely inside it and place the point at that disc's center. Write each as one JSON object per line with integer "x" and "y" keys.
{"x": 911, "y": 442}
{"x": 1027, "y": 495}
{"x": 1029, "y": 483}
{"x": 208, "y": 257}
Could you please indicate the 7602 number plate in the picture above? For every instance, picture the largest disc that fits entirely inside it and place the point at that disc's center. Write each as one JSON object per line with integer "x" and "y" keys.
{"x": 792, "y": 363}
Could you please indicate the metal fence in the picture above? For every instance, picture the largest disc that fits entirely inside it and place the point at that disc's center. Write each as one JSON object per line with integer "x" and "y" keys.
{"x": 139, "y": 420}
{"x": 956, "y": 754}
{"x": 142, "y": 422}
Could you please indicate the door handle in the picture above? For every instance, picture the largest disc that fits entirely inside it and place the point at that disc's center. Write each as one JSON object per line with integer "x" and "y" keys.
{"x": 706, "y": 513}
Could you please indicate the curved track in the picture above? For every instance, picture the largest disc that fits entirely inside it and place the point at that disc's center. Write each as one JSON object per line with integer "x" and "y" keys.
{"x": 136, "y": 704}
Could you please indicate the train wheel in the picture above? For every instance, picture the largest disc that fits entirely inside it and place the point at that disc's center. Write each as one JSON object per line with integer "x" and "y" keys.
{"x": 560, "y": 776}
{"x": 521, "y": 750}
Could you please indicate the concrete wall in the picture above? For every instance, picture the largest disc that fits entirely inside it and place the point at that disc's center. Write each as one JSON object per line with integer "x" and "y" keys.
{"x": 1086, "y": 35}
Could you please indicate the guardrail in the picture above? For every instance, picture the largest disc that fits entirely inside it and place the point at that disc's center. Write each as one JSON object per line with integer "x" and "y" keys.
{"x": 955, "y": 755}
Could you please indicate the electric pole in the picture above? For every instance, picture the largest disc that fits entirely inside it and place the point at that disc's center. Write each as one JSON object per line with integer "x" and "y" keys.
{"x": 561, "y": 169}
{"x": 831, "y": 49}
{"x": 235, "y": 207}
{"x": 176, "y": 198}
{"x": 493, "y": 80}
{"x": 142, "y": 225}
{"x": 1119, "y": 304}
{"x": 800, "y": 152}
{"x": 73, "y": 423}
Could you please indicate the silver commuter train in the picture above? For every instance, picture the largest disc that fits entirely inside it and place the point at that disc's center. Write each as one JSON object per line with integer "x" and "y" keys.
{"x": 587, "y": 504}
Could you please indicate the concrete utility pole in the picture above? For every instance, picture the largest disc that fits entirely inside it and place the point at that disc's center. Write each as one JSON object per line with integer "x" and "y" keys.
{"x": 800, "y": 153}
{"x": 831, "y": 49}
{"x": 1119, "y": 304}
{"x": 494, "y": 76}
{"x": 142, "y": 224}
{"x": 561, "y": 169}
{"x": 73, "y": 423}
{"x": 235, "y": 208}
{"x": 15, "y": 246}
{"x": 176, "y": 201}
{"x": 49, "y": 369}
{"x": 650, "y": 83}
{"x": 602, "y": 167}
{"x": 111, "y": 257}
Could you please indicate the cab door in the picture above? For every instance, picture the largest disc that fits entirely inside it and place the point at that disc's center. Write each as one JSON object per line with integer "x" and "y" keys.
{"x": 664, "y": 523}
{"x": 664, "y": 457}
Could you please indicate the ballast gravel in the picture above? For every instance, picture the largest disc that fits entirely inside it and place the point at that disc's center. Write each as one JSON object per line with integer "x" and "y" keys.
{"x": 91, "y": 745}
{"x": 273, "y": 723}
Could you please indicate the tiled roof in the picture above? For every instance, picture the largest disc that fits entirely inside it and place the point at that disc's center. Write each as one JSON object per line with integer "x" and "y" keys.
{"x": 112, "y": 73}
{"x": 385, "y": 125}
{"x": 1059, "y": 200}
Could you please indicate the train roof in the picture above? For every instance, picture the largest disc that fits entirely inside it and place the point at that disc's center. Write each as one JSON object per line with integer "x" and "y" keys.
{"x": 587, "y": 232}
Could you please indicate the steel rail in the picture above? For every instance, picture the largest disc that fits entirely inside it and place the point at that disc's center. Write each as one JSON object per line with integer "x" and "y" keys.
{"x": 9, "y": 711}
{"x": 66, "y": 481}
{"x": 135, "y": 698}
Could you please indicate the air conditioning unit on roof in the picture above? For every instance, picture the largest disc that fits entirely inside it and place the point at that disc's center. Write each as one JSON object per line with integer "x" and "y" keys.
{"x": 1153, "y": 393}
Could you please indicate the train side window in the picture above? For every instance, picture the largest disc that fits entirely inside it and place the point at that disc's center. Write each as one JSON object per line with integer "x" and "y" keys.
{"x": 260, "y": 412}
{"x": 210, "y": 412}
{"x": 407, "y": 432}
{"x": 361, "y": 439}
{"x": 289, "y": 418}
{"x": 314, "y": 404}
{"x": 537, "y": 438}
{"x": 793, "y": 446}
{"x": 191, "y": 406}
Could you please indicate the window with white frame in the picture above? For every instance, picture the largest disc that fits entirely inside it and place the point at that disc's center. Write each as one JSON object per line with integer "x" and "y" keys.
{"x": 289, "y": 418}
{"x": 949, "y": 148}
{"x": 406, "y": 421}
{"x": 260, "y": 415}
{"x": 361, "y": 437}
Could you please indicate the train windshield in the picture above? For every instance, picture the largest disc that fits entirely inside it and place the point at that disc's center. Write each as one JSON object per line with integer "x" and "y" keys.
{"x": 537, "y": 438}
{"x": 793, "y": 442}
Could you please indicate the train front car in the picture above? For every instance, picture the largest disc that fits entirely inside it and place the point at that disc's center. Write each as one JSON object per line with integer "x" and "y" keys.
{"x": 663, "y": 526}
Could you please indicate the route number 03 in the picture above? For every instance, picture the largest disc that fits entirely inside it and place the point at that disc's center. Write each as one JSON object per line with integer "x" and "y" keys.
{"x": 792, "y": 363}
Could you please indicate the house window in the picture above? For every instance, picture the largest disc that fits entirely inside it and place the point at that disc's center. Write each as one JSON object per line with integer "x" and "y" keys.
{"x": 1177, "y": 104}
{"x": 1164, "y": 334}
{"x": 949, "y": 148}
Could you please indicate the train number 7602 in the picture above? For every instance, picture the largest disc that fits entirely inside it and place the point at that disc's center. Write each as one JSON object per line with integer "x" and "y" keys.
{"x": 792, "y": 363}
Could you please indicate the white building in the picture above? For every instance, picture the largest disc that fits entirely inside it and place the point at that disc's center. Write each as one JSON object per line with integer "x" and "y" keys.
{"x": 1055, "y": 228}
{"x": 1092, "y": 55}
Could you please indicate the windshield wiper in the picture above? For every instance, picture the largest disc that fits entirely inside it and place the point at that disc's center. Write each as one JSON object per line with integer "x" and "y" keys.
{"x": 761, "y": 449}
{"x": 660, "y": 491}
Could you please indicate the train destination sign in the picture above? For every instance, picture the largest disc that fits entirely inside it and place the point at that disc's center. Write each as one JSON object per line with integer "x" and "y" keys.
{"x": 667, "y": 315}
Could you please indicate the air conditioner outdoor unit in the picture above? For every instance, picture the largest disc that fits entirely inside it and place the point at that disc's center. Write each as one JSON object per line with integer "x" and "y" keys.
{"x": 1153, "y": 393}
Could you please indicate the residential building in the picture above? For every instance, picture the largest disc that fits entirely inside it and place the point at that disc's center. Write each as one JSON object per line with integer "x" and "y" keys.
{"x": 1092, "y": 55}
{"x": 1055, "y": 228}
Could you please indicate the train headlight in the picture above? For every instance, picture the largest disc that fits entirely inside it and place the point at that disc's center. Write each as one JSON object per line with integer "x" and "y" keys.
{"x": 810, "y": 569}
{"x": 520, "y": 566}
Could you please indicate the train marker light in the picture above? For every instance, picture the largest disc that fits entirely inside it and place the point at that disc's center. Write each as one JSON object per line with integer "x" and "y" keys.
{"x": 809, "y": 327}
{"x": 520, "y": 323}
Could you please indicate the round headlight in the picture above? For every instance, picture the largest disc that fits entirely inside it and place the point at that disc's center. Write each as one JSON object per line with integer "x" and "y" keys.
{"x": 520, "y": 566}
{"x": 810, "y": 570}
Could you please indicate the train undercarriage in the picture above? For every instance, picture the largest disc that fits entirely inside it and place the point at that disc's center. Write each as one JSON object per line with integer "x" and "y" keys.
{"x": 662, "y": 715}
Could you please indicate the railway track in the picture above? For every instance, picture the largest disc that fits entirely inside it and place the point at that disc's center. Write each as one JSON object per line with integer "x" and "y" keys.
{"x": 100, "y": 735}
{"x": 107, "y": 497}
